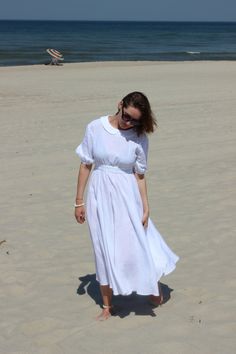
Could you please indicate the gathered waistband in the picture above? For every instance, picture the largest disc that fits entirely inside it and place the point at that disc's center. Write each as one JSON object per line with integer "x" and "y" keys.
{"x": 113, "y": 169}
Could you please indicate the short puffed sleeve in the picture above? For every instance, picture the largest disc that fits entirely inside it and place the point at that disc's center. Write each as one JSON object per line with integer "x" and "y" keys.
{"x": 141, "y": 155}
{"x": 85, "y": 149}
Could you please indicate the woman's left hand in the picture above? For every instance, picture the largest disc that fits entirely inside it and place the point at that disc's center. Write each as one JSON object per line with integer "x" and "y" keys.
{"x": 145, "y": 218}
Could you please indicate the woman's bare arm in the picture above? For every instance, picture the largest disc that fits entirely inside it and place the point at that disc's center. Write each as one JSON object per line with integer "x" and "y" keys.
{"x": 143, "y": 192}
{"x": 84, "y": 172}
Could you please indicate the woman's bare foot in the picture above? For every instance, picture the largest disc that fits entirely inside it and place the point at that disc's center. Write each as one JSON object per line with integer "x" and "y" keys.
{"x": 105, "y": 314}
{"x": 156, "y": 300}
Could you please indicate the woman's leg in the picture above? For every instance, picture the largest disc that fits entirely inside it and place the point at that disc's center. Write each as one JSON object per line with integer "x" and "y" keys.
{"x": 157, "y": 300}
{"x": 106, "y": 293}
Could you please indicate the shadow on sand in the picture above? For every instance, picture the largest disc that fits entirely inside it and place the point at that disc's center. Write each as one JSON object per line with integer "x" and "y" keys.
{"x": 123, "y": 305}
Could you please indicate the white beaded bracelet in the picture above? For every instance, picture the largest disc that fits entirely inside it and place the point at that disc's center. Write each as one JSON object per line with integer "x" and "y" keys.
{"x": 78, "y": 205}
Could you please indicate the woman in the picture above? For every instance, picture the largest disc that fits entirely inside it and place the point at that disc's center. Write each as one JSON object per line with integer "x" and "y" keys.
{"x": 130, "y": 254}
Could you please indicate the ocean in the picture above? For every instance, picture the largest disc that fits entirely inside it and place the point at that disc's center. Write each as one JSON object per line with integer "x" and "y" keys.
{"x": 25, "y": 42}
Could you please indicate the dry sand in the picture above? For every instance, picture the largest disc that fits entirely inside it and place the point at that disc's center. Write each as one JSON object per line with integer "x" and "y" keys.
{"x": 49, "y": 297}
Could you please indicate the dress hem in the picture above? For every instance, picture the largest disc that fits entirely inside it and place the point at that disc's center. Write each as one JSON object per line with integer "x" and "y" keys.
{"x": 170, "y": 270}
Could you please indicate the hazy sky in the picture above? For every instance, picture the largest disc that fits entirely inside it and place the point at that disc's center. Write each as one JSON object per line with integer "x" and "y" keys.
{"x": 150, "y": 10}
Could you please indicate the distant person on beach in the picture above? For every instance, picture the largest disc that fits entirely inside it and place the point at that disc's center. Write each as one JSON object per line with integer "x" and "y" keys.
{"x": 130, "y": 254}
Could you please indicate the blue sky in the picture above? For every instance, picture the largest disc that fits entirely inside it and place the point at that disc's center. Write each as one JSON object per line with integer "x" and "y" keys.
{"x": 148, "y": 10}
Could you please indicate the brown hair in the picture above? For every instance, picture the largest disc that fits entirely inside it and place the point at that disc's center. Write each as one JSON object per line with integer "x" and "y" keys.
{"x": 140, "y": 101}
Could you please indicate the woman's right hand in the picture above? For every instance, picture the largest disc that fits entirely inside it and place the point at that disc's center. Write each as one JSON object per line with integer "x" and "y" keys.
{"x": 80, "y": 214}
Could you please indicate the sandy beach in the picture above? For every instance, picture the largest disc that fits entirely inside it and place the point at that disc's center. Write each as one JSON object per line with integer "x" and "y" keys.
{"x": 49, "y": 297}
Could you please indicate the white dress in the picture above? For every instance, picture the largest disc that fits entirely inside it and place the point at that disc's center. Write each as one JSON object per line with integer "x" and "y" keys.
{"x": 128, "y": 257}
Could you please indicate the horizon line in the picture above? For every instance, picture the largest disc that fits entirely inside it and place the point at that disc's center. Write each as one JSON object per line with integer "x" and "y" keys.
{"x": 66, "y": 20}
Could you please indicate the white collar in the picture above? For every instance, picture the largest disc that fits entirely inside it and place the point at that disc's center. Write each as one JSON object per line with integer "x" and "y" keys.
{"x": 110, "y": 129}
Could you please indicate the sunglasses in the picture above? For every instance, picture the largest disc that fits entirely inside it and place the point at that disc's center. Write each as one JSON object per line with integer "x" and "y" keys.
{"x": 128, "y": 119}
